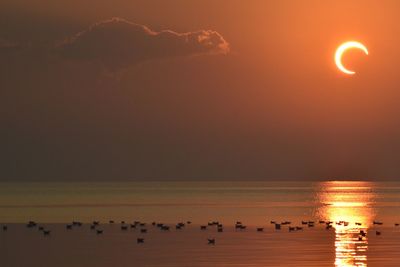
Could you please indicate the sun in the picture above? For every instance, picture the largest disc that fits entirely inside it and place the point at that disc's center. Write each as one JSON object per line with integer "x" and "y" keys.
{"x": 342, "y": 49}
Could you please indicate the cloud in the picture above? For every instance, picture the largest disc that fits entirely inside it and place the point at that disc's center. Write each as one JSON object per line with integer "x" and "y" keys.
{"x": 118, "y": 43}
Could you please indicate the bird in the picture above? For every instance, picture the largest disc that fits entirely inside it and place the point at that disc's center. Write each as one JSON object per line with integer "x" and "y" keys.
{"x": 110, "y": 221}
{"x": 140, "y": 240}
{"x": 46, "y": 232}
{"x": 31, "y": 224}
{"x": 68, "y": 226}
{"x": 359, "y": 224}
{"x": 220, "y": 229}
{"x": 40, "y": 228}
{"x": 165, "y": 228}
{"x": 124, "y": 227}
{"x": 211, "y": 241}
{"x": 291, "y": 229}
{"x": 203, "y": 227}
{"x": 76, "y": 223}
{"x": 378, "y": 233}
{"x": 277, "y": 226}
{"x": 396, "y": 224}
{"x": 378, "y": 223}
{"x": 99, "y": 232}
{"x": 143, "y": 230}
{"x": 179, "y": 226}
{"x": 92, "y": 227}
{"x": 5, "y": 228}
{"x": 260, "y": 229}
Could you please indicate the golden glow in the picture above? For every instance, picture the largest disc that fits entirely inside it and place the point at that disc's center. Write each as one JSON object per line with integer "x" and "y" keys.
{"x": 349, "y": 202}
{"x": 342, "y": 49}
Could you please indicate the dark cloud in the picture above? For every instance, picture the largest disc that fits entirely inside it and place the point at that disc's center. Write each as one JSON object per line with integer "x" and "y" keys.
{"x": 118, "y": 43}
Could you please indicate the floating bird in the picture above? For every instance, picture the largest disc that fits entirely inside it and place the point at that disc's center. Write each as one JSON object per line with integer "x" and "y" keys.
{"x": 75, "y": 223}
{"x": 40, "y": 228}
{"x": 203, "y": 227}
{"x": 46, "y": 232}
{"x": 211, "y": 241}
{"x": 165, "y": 228}
{"x": 378, "y": 223}
{"x": 277, "y": 226}
{"x": 31, "y": 224}
{"x": 68, "y": 226}
{"x": 5, "y": 228}
{"x": 140, "y": 240}
{"x": 92, "y": 227}
{"x": 378, "y": 233}
{"x": 99, "y": 232}
{"x": 260, "y": 229}
{"x": 396, "y": 224}
{"x": 220, "y": 230}
{"x": 124, "y": 227}
{"x": 359, "y": 224}
{"x": 110, "y": 221}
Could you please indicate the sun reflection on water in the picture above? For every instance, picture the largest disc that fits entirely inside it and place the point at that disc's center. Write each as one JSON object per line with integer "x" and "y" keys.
{"x": 348, "y": 205}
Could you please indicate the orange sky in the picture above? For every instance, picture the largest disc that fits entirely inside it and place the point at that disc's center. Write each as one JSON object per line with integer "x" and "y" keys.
{"x": 275, "y": 107}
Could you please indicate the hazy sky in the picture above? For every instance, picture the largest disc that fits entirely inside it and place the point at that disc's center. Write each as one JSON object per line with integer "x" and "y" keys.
{"x": 198, "y": 89}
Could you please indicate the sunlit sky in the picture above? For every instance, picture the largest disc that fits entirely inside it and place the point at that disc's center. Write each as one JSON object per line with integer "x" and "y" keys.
{"x": 250, "y": 91}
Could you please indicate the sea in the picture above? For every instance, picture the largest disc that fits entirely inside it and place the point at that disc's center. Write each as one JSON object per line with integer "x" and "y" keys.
{"x": 339, "y": 223}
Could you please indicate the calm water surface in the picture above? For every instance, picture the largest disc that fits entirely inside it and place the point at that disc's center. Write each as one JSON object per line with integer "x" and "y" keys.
{"x": 254, "y": 203}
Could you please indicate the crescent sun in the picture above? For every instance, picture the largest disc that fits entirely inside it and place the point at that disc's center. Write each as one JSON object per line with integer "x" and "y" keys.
{"x": 342, "y": 49}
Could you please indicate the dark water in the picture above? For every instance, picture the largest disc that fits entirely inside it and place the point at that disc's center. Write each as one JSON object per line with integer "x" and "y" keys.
{"x": 253, "y": 203}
